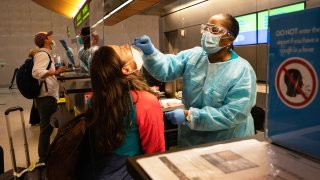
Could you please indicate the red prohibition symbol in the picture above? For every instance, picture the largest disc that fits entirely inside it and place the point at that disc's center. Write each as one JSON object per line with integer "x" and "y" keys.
{"x": 296, "y": 82}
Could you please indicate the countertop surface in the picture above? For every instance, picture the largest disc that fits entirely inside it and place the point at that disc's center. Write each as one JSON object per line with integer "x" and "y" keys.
{"x": 137, "y": 172}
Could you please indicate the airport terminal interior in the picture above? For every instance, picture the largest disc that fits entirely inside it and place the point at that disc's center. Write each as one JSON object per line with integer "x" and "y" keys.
{"x": 251, "y": 120}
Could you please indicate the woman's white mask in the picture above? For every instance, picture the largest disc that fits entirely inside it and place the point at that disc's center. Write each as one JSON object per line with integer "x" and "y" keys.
{"x": 53, "y": 45}
{"x": 137, "y": 57}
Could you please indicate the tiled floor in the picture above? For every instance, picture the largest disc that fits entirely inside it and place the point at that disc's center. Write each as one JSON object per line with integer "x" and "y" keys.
{"x": 10, "y": 99}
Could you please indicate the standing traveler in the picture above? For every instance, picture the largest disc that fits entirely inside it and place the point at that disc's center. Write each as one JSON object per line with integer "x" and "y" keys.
{"x": 46, "y": 103}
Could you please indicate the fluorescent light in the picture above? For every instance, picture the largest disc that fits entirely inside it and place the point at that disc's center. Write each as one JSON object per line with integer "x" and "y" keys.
{"x": 112, "y": 12}
{"x": 78, "y": 7}
{"x": 188, "y": 4}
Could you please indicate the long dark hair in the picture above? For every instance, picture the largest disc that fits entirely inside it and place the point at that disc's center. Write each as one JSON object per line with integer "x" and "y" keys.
{"x": 111, "y": 101}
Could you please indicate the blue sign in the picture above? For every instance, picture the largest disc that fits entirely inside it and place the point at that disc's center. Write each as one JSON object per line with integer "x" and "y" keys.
{"x": 293, "y": 78}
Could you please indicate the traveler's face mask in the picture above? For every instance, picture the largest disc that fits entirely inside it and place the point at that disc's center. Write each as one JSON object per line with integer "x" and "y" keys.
{"x": 80, "y": 40}
{"x": 129, "y": 54}
{"x": 137, "y": 57}
{"x": 53, "y": 45}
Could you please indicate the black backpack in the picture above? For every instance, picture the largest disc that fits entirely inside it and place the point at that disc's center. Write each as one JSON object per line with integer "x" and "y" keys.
{"x": 65, "y": 149}
{"x": 29, "y": 86}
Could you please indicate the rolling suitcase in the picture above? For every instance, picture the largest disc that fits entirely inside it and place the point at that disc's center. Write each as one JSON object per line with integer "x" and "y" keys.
{"x": 1, "y": 161}
{"x": 32, "y": 171}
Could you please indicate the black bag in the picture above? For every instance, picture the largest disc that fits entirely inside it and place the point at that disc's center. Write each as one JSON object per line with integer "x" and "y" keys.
{"x": 29, "y": 86}
{"x": 65, "y": 149}
{"x": 258, "y": 115}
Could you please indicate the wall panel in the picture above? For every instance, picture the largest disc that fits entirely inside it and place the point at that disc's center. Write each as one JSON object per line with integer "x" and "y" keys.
{"x": 21, "y": 20}
{"x": 172, "y": 21}
{"x": 262, "y": 60}
{"x": 125, "y": 31}
{"x": 234, "y": 7}
{"x": 268, "y": 4}
{"x": 313, "y": 3}
{"x": 197, "y": 14}
{"x": 249, "y": 53}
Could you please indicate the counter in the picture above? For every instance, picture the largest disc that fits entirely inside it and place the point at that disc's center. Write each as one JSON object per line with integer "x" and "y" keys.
{"x": 137, "y": 172}
{"x": 74, "y": 90}
{"x": 76, "y": 86}
{"x": 72, "y": 75}
{"x": 251, "y": 157}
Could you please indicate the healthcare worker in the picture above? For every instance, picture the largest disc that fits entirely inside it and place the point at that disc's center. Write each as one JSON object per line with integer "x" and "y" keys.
{"x": 219, "y": 86}
{"x": 90, "y": 45}
{"x": 83, "y": 53}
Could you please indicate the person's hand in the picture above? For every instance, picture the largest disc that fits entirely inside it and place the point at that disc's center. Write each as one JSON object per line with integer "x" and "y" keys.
{"x": 145, "y": 44}
{"x": 176, "y": 116}
{"x": 60, "y": 70}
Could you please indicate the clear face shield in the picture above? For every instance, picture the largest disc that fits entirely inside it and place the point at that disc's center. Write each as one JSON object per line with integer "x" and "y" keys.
{"x": 214, "y": 29}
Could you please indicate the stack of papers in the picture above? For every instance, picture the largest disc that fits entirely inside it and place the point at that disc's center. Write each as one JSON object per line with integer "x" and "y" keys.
{"x": 168, "y": 103}
{"x": 248, "y": 159}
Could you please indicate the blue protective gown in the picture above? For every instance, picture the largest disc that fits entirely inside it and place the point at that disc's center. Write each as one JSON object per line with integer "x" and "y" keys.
{"x": 219, "y": 96}
{"x": 84, "y": 56}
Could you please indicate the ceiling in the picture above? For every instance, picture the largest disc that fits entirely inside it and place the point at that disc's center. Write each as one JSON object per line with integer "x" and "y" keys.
{"x": 161, "y": 8}
{"x": 67, "y": 8}
{"x": 135, "y": 7}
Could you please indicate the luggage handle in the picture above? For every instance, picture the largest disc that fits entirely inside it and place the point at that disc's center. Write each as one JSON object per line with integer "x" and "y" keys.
{"x": 13, "y": 109}
{"x": 13, "y": 158}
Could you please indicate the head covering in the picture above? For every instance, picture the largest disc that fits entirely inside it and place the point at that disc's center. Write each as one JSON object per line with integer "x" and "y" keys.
{"x": 40, "y": 37}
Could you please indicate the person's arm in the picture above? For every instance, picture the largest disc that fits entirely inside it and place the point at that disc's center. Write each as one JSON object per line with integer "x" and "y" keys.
{"x": 84, "y": 56}
{"x": 166, "y": 67}
{"x": 237, "y": 106}
{"x": 60, "y": 70}
{"x": 162, "y": 67}
{"x": 40, "y": 64}
{"x": 150, "y": 124}
{"x": 70, "y": 55}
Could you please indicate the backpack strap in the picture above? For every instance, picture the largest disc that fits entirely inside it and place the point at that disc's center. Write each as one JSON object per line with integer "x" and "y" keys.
{"x": 48, "y": 67}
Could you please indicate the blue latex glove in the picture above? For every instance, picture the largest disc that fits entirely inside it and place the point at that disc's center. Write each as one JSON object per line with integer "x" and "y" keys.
{"x": 145, "y": 44}
{"x": 176, "y": 117}
{"x": 64, "y": 44}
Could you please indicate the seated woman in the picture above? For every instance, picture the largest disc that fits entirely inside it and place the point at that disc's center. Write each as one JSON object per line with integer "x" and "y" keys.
{"x": 124, "y": 118}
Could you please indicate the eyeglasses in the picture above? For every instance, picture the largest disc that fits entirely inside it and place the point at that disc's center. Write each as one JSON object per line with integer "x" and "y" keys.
{"x": 214, "y": 29}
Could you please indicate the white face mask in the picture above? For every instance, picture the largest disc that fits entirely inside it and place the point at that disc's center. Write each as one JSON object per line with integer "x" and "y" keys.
{"x": 210, "y": 42}
{"x": 137, "y": 57}
{"x": 53, "y": 45}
